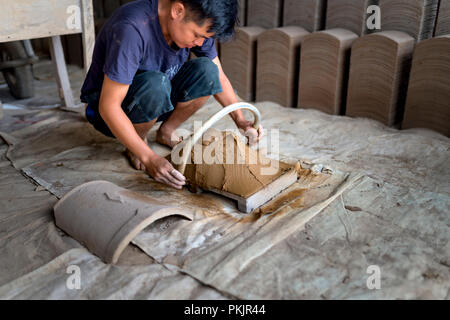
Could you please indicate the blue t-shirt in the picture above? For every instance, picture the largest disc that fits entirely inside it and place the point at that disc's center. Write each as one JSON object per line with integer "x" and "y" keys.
{"x": 132, "y": 40}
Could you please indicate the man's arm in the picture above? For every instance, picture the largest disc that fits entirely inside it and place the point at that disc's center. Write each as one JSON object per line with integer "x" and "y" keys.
{"x": 112, "y": 96}
{"x": 228, "y": 97}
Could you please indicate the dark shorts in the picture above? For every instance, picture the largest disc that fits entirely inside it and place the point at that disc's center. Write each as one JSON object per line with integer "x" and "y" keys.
{"x": 153, "y": 96}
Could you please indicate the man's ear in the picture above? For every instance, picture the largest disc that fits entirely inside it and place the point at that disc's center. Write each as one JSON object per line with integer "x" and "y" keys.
{"x": 178, "y": 11}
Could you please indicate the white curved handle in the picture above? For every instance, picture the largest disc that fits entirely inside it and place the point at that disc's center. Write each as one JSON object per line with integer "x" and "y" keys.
{"x": 219, "y": 115}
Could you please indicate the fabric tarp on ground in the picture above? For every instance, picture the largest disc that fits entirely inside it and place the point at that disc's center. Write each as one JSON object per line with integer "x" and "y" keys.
{"x": 399, "y": 208}
{"x": 101, "y": 281}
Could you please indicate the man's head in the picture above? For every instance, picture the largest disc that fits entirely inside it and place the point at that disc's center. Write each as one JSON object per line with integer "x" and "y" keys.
{"x": 192, "y": 21}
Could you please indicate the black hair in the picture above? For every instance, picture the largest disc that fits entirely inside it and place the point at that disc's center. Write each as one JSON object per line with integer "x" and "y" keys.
{"x": 222, "y": 13}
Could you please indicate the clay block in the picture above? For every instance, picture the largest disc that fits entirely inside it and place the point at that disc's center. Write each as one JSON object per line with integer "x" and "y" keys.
{"x": 428, "y": 100}
{"x": 379, "y": 69}
{"x": 349, "y": 14}
{"x": 264, "y": 13}
{"x": 239, "y": 61}
{"x": 277, "y": 66}
{"x": 443, "y": 20}
{"x": 324, "y": 65}
{"x": 414, "y": 17}
{"x": 105, "y": 217}
{"x": 225, "y": 164}
{"x": 242, "y": 13}
{"x": 309, "y": 14}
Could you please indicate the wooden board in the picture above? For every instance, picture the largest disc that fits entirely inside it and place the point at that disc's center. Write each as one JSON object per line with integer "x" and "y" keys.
{"x": 443, "y": 20}
{"x": 414, "y": 17}
{"x": 278, "y": 65}
{"x": 428, "y": 100}
{"x": 264, "y": 13}
{"x": 379, "y": 68}
{"x": 239, "y": 61}
{"x": 264, "y": 195}
{"x": 325, "y": 57}
{"x": 28, "y": 19}
{"x": 348, "y": 14}
{"x": 308, "y": 14}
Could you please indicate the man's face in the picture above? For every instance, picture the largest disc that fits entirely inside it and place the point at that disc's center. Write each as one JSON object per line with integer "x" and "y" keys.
{"x": 184, "y": 32}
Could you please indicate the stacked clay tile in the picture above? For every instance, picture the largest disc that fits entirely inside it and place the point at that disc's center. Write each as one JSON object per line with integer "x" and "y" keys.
{"x": 264, "y": 13}
{"x": 443, "y": 21}
{"x": 277, "y": 67}
{"x": 415, "y": 17}
{"x": 348, "y": 14}
{"x": 324, "y": 70}
{"x": 309, "y": 14}
{"x": 379, "y": 68}
{"x": 239, "y": 61}
{"x": 242, "y": 13}
{"x": 428, "y": 100}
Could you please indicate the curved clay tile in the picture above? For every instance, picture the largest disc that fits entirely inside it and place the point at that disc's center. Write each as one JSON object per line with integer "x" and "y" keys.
{"x": 105, "y": 218}
{"x": 239, "y": 61}
{"x": 379, "y": 69}
{"x": 348, "y": 14}
{"x": 443, "y": 21}
{"x": 428, "y": 100}
{"x": 324, "y": 64}
{"x": 277, "y": 66}
{"x": 264, "y": 13}
{"x": 414, "y": 17}
{"x": 308, "y": 14}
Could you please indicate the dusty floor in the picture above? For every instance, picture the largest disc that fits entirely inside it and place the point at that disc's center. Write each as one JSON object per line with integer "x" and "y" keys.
{"x": 394, "y": 214}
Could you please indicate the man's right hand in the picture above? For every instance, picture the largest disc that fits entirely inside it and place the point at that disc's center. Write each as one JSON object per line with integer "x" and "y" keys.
{"x": 163, "y": 171}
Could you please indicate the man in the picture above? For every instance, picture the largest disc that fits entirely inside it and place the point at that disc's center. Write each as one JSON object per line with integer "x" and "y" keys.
{"x": 140, "y": 75}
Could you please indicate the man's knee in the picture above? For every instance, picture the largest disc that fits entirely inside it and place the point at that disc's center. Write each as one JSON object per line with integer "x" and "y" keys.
{"x": 153, "y": 85}
{"x": 149, "y": 96}
{"x": 204, "y": 66}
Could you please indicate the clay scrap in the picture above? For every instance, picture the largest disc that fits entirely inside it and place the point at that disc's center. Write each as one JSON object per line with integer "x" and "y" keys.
{"x": 379, "y": 70}
{"x": 239, "y": 61}
{"x": 325, "y": 57}
{"x": 428, "y": 100}
{"x": 264, "y": 13}
{"x": 443, "y": 21}
{"x": 278, "y": 64}
{"x": 349, "y": 14}
{"x": 105, "y": 218}
{"x": 224, "y": 164}
{"x": 414, "y": 17}
{"x": 308, "y": 14}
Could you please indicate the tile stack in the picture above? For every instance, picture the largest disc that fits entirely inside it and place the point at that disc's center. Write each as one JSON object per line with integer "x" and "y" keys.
{"x": 277, "y": 67}
{"x": 443, "y": 21}
{"x": 379, "y": 70}
{"x": 348, "y": 14}
{"x": 428, "y": 100}
{"x": 264, "y": 13}
{"x": 239, "y": 61}
{"x": 415, "y": 17}
{"x": 324, "y": 65}
{"x": 309, "y": 14}
{"x": 242, "y": 13}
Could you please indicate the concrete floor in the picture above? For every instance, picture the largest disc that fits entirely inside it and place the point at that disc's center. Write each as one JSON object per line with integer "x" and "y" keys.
{"x": 398, "y": 217}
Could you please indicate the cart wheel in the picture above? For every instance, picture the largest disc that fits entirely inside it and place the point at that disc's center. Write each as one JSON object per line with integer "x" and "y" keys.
{"x": 19, "y": 80}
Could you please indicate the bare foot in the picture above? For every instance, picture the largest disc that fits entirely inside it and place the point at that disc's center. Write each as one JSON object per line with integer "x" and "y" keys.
{"x": 166, "y": 138}
{"x": 135, "y": 162}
